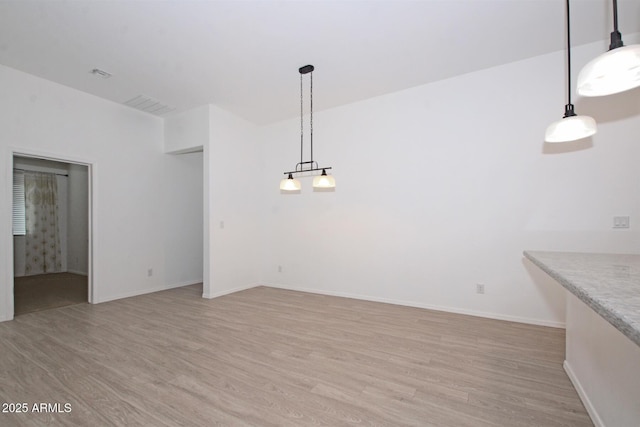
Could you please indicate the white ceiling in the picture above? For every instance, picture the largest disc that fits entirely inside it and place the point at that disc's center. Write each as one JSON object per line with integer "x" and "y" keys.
{"x": 244, "y": 55}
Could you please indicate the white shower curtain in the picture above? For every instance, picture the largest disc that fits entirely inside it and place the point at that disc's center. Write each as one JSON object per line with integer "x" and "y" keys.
{"x": 42, "y": 239}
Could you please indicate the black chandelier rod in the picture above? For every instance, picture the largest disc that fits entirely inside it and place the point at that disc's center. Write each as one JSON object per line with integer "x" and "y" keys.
{"x": 616, "y": 36}
{"x": 307, "y": 69}
{"x": 301, "y": 116}
{"x": 569, "y": 55}
{"x": 311, "y": 111}
{"x": 569, "y": 109}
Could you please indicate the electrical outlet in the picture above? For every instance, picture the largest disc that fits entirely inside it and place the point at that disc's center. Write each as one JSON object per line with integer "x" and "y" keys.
{"x": 279, "y": 269}
{"x": 479, "y": 288}
{"x": 150, "y": 272}
{"x": 620, "y": 222}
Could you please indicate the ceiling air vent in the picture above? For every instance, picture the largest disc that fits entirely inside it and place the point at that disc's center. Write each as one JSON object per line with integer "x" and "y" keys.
{"x": 101, "y": 73}
{"x": 149, "y": 105}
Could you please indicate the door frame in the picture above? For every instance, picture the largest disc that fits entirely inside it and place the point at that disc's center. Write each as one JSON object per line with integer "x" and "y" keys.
{"x": 91, "y": 180}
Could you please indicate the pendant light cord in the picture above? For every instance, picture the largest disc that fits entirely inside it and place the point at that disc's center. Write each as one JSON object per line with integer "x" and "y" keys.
{"x": 301, "y": 123}
{"x": 569, "y": 55}
{"x": 302, "y": 120}
{"x": 616, "y": 37}
{"x": 569, "y": 110}
{"x": 311, "y": 114}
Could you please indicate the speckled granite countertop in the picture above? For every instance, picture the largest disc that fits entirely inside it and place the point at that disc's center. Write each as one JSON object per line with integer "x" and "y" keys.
{"x": 608, "y": 283}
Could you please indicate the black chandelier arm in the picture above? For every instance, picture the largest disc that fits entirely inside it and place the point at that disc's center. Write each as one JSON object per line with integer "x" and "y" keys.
{"x": 311, "y": 163}
{"x": 307, "y": 170}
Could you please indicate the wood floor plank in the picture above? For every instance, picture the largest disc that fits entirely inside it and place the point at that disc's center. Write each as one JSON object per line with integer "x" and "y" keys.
{"x": 272, "y": 357}
{"x": 46, "y": 291}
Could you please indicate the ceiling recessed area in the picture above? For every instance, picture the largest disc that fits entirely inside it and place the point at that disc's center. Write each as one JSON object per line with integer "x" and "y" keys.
{"x": 244, "y": 55}
{"x": 149, "y": 105}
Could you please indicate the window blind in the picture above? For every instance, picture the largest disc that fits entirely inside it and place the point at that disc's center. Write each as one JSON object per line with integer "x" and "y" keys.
{"x": 19, "y": 228}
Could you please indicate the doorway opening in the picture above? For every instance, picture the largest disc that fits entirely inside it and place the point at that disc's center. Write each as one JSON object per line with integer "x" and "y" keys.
{"x": 51, "y": 233}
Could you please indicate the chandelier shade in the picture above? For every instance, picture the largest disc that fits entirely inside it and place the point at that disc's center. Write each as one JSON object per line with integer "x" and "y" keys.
{"x": 290, "y": 184}
{"x": 324, "y": 180}
{"x": 615, "y": 71}
{"x": 570, "y": 129}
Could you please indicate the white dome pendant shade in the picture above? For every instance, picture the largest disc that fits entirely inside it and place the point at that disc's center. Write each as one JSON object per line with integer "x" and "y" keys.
{"x": 324, "y": 181}
{"x": 290, "y": 184}
{"x": 615, "y": 71}
{"x": 612, "y": 72}
{"x": 571, "y": 127}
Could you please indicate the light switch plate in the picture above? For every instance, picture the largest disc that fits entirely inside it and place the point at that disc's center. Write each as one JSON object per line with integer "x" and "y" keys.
{"x": 620, "y": 222}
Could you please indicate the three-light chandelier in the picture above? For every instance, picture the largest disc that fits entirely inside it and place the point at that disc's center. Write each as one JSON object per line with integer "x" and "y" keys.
{"x": 322, "y": 181}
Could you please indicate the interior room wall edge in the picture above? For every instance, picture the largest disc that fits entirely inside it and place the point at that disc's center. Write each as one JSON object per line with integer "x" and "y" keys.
{"x": 138, "y": 292}
{"x": 455, "y": 310}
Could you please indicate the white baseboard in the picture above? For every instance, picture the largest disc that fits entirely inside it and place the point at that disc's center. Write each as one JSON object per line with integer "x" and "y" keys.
{"x": 230, "y": 291}
{"x": 187, "y": 283}
{"x": 597, "y": 421}
{"x": 488, "y": 315}
{"x": 144, "y": 291}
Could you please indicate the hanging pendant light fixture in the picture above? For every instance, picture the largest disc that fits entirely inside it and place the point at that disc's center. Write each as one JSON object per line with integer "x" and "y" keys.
{"x": 612, "y": 72}
{"x": 571, "y": 127}
{"x": 290, "y": 184}
{"x": 323, "y": 181}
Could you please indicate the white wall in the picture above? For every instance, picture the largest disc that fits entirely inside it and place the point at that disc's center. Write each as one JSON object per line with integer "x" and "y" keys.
{"x": 183, "y": 191}
{"x": 442, "y": 186}
{"x": 125, "y": 148}
{"x": 187, "y": 132}
{"x": 233, "y": 205}
{"x": 185, "y": 136}
{"x": 231, "y": 194}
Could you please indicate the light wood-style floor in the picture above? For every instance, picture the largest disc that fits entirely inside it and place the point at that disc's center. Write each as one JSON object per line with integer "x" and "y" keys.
{"x": 271, "y": 357}
{"x": 45, "y": 291}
